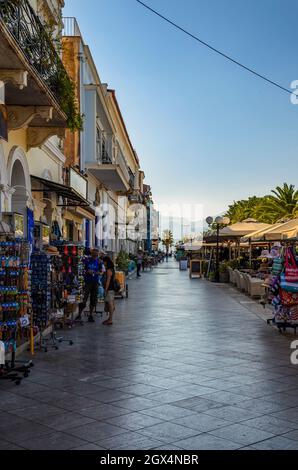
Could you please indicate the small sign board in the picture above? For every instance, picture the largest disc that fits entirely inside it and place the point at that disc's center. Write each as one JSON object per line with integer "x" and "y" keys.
{"x": 195, "y": 268}
{"x": 78, "y": 183}
{"x": 183, "y": 265}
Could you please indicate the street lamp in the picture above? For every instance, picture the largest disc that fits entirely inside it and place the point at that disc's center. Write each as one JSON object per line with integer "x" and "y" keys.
{"x": 219, "y": 222}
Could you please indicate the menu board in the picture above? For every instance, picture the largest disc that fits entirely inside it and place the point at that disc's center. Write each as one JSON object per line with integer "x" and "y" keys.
{"x": 195, "y": 268}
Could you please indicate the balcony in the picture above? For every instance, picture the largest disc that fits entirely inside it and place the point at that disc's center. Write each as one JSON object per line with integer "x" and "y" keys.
{"x": 113, "y": 174}
{"x": 131, "y": 179}
{"x": 37, "y": 87}
{"x": 71, "y": 27}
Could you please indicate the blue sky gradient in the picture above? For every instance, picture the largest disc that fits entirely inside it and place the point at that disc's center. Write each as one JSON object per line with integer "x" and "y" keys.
{"x": 206, "y": 131}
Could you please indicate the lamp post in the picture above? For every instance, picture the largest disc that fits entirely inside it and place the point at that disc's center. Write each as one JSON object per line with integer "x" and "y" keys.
{"x": 219, "y": 222}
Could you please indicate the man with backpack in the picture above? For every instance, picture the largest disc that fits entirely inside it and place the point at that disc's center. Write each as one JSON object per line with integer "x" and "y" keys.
{"x": 93, "y": 270}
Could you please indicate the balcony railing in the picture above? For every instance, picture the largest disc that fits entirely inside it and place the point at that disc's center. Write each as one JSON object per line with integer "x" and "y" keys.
{"x": 131, "y": 179}
{"x": 21, "y": 21}
{"x": 105, "y": 157}
{"x": 71, "y": 27}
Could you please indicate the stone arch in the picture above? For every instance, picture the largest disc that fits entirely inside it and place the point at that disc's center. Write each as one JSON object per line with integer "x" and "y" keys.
{"x": 18, "y": 178}
{"x": 3, "y": 179}
{"x": 3, "y": 172}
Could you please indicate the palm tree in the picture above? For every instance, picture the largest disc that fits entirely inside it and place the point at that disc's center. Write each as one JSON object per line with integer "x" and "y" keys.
{"x": 168, "y": 240}
{"x": 281, "y": 204}
{"x": 244, "y": 209}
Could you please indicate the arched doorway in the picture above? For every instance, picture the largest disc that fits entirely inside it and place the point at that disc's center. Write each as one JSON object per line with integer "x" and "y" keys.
{"x": 19, "y": 181}
{"x": 3, "y": 179}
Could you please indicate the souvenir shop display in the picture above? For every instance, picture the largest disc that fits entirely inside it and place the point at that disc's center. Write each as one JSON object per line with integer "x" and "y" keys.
{"x": 46, "y": 286}
{"x": 47, "y": 294}
{"x": 72, "y": 275}
{"x": 73, "y": 271}
{"x": 284, "y": 290}
{"x": 14, "y": 305}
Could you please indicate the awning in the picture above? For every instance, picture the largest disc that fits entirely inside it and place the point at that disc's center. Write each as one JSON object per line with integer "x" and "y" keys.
{"x": 240, "y": 229}
{"x": 259, "y": 235}
{"x": 73, "y": 217}
{"x": 73, "y": 198}
{"x": 85, "y": 212}
{"x": 279, "y": 232}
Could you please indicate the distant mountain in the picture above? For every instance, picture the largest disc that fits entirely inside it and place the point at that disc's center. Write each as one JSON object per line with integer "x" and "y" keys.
{"x": 181, "y": 227}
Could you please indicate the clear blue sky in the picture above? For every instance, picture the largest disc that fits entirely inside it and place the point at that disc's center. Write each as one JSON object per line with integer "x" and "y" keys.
{"x": 206, "y": 131}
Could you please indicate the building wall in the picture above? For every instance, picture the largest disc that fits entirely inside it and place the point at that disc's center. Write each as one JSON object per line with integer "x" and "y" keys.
{"x": 121, "y": 135}
{"x": 19, "y": 163}
{"x": 89, "y": 150}
{"x": 71, "y": 59}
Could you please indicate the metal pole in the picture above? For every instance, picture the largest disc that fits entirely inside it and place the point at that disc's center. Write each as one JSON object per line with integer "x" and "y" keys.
{"x": 217, "y": 254}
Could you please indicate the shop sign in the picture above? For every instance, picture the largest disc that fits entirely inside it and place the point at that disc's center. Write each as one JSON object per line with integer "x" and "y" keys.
{"x": 78, "y": 183}
{"x": 45, "y": 234}
{"x": 3, "y": 123}
{"x": 19, "y": 228}
{"x": 16, "y": 223}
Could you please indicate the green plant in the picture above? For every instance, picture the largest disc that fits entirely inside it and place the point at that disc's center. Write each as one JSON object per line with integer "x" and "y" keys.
{"x": 168, "y": 240}
{"x": 281, "y": 204}
{"x": 223, "y": 267}
{"x": 234, "y": 263}
{"x": 64, "y": 85}
{"x": 205, "y": 267}
{"x": 122, "y": 261}
{"x": 68, "y": 102}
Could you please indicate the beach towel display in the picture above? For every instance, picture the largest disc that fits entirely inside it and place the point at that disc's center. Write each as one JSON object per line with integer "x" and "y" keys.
{"x": 284, "y": 290}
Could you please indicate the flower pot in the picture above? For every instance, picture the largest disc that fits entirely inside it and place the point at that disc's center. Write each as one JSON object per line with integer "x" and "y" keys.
{"x": 224, "y": 277}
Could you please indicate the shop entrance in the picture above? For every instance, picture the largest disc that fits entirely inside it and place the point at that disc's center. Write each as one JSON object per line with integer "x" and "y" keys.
{"x": 18, "y": 182}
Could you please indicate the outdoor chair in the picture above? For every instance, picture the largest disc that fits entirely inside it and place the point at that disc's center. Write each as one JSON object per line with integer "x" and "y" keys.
{"x": 256, "y": 287}
{"x": 246, "y": 279}
{"x": 242, "y": 282}
{"x": 231, "y": 275}
{"x": 237, "y": 279}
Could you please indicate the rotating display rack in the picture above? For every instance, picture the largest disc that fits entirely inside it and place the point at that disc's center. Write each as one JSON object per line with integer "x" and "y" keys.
{"x": 14, "y": 306}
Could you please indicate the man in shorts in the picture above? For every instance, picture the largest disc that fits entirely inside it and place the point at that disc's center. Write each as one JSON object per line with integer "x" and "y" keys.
{"x": 93, "y": 270}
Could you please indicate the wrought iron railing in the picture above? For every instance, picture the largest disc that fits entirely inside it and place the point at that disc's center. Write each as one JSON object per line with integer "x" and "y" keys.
{"x": 131, "y": 178}
{"x": 105, "y": 157}
{"x": 123, "y": 165}
{"x": 21, "y": 21}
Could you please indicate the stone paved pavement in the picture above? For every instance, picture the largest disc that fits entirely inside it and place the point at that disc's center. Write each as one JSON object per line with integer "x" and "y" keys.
{"x": 185, "y": 366}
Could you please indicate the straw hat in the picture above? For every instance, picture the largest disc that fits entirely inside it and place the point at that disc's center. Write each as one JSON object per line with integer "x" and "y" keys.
{"x": 265, "y": 254}
{"x": 52, "y": 250}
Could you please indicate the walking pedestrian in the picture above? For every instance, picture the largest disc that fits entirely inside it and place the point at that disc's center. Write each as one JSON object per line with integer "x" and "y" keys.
{"x": 109, "y": 286}
{"x": 93, "y": 270}
{"x": 139, "y": 262}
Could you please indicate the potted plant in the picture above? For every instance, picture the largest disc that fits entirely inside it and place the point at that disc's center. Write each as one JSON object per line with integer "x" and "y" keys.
{"x": 223, "y": 272}
{"x": 122, "y": 262}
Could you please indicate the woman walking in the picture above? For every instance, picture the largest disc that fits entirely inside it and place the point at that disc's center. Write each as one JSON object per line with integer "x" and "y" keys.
{"x": 109, "y": 286}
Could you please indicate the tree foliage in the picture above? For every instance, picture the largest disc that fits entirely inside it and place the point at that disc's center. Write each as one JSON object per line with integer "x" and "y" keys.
{"x": 167, "y": 239}
{"x": 280, "y": 204}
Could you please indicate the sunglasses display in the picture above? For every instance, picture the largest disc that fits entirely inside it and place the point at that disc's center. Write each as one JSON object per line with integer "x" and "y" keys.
{"x": 46, "y": 287}
{"x": 14, "y": 303}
